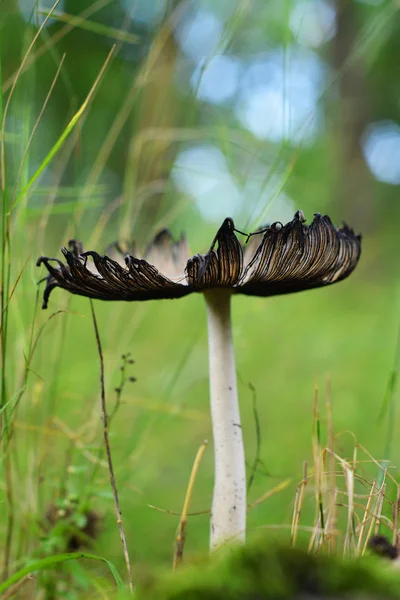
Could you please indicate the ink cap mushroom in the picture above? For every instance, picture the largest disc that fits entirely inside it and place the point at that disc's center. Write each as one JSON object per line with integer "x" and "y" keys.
{"x": 289, "y": 258}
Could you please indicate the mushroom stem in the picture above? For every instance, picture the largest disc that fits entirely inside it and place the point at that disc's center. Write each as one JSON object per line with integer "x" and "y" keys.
{"x": 228, "y": 513}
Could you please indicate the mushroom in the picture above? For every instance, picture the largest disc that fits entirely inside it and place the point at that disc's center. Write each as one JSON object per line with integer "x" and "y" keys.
{"x": 289, "y": 258}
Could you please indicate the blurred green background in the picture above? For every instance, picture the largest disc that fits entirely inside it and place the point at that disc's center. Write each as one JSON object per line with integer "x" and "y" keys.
{"x": 243, "y": 108}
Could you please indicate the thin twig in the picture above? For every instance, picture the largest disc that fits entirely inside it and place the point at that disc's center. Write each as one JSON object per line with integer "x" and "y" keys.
{"x": 99, "y": 458}
{"x": 180, "y": 538}
{"x": 126, "y": 360}
{"x": 108, "y": 451}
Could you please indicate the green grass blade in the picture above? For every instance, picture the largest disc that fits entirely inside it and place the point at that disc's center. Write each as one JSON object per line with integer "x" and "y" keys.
{"x": 51, "y": 561}
{"x": 65, "y": 134}
{"x": 50, "y": 155}
{"x": 99, "y": 28}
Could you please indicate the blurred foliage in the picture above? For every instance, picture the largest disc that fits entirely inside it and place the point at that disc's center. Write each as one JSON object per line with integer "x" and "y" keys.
{"x": 114, "y": 178}
{"x": 262, "y": 571}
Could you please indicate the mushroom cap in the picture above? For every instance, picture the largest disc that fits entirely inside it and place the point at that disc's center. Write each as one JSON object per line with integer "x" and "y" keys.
{"x": 289, "y": 258}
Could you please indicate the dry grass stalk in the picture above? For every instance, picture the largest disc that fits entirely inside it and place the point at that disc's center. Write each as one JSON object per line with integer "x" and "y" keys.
{"x": 367, "y": 512}
{"x": 331, "y": 521}
{"x": 278, "y": 488}
{"x": 298, "y": 505}
{"x": 332, "y": 510}
{"x": 396, "y": 508}
{"x": 181, "y": 535}
{"x": 318, "y": 537}
{"x": 378, "y": 516}
{"x": 345, "y": 516}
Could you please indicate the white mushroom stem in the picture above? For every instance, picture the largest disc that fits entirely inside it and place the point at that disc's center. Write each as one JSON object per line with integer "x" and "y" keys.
{"x": 228, "y": 513}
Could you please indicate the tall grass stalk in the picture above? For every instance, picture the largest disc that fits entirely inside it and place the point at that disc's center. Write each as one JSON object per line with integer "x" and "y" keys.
{"x": 108, "y": 451}
{"x": 181, "y": 535}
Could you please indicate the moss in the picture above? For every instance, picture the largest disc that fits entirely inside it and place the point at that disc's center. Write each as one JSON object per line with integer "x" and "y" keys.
{"x": 260, "y": 572}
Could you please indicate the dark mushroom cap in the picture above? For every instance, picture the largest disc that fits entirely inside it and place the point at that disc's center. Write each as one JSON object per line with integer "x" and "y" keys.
{"x": 289, "y": 258}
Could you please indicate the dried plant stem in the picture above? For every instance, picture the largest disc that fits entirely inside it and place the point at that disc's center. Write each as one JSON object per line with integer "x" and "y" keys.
{"x": 108, "y": 451}
{"x": 366, "y": 517}
{"x": 379, "y": 507}
{"x": 228, "y": 515}
{"x": 180, "y": 538}
{"x": 349, "y": 541}
{"x": 275, "y": 490}
{"x": 318, "y": 476}
{"x": 332, "y": 511}
{"x": 298, "y": 505}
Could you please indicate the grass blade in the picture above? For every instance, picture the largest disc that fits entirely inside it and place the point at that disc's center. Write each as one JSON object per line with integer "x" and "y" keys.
{"x": 51, "y": 561}
{"x": 65, "y": 134}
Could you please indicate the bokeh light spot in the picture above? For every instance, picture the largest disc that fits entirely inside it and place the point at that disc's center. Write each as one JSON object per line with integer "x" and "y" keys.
{"x": 218, "y": 81}
{"x": 202, "y": 173}
{"x": 199, "y": 34}
{"x": 381, "y": 148}
{"x": 280, "y": 96}
{"x": 313, "y": 22}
